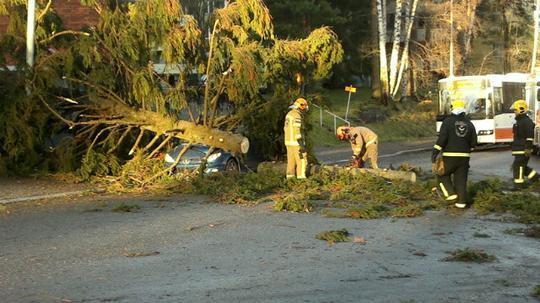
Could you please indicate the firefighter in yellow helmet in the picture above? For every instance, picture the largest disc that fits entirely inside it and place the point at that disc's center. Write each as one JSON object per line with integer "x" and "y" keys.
{"x": 457, "y": 138}
{"x": 364, "y": 143}
{"x": 295, "y": 139}
{"x": 522, "y": 145}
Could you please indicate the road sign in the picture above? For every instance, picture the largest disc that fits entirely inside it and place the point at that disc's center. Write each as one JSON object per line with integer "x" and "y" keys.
{"x": 350, "y": 89}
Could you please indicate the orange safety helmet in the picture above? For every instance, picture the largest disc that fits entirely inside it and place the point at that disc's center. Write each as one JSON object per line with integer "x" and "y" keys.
{"x": 342, "y": 132}
{"x": 301, "y": 104}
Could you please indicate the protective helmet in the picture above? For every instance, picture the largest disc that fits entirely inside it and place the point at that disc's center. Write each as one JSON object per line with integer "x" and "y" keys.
{"x": 520, "y": 106}
{"x": 457, "y": 104}
{"x": 342, "y": 132}
{"x": 301, "y": 103}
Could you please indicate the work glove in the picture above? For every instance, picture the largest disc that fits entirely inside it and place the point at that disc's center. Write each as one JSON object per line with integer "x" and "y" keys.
{"x": 302, "y": 150}
{"x": 301, "y": 155}
{"x": 434, "y": 155}
{"x": 528, "y": 152}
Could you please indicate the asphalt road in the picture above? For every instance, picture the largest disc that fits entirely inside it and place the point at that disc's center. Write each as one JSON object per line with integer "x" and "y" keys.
{"x": 189, "y": 249}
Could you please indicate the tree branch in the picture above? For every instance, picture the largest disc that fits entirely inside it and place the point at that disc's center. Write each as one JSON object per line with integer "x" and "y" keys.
{"x": 66, "y": 32}
{"x": 132, "y": 150}
{"x": 47, "y": 7}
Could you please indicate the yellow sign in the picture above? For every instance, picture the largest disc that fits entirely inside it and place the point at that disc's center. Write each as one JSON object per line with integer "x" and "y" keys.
{"x": 350, "y": 89}
{"x": 469, "y": 84}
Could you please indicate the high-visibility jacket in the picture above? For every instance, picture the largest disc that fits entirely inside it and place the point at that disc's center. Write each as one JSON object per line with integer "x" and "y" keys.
{"x": 294, "y": 128}
{"x": 523, "y": 134}
{"x": 361, "y": 137}
{"x": 457, "y": 136}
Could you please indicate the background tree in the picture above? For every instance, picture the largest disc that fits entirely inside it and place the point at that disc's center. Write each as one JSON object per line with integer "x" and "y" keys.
{"x": 348, "y": 18}
{"x": 506, "y": 33}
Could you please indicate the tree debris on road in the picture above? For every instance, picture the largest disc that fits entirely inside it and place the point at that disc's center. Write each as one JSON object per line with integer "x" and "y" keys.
{"x": 333, "y": 236}
{"x": 470, "y": 255}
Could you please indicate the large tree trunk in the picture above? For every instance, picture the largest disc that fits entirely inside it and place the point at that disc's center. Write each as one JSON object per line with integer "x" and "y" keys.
{"x": 507, "y": 64}
{"x": 381, "y": 14}
{"x": 116, "y": 116}
{"x": 395, "y": 47}
{"x": 411, "y": 13}
{"x": 375, "y": 71}
{"x": 468, "y": 32}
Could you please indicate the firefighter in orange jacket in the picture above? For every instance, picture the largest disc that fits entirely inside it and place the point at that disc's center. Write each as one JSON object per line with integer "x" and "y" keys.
{"x": 364, "y": 143}
{"x": 295, "y": 139}
{"x": 522, "y": 145}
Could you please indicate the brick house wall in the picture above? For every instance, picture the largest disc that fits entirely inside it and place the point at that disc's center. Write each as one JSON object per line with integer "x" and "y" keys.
{"x": 74, "y": 15}
{"x": 3, "y": 23}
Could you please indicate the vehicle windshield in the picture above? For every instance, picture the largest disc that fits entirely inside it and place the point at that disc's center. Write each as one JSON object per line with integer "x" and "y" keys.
{"x": 475, "y": 102}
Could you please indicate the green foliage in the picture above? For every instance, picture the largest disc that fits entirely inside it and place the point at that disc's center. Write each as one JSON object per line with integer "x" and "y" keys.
{"x": 234, "y": 189}
{"x": 297, "y": 18}
{"x": 359, "y": 196}
{"x": 334, "y": 236}
{"x": 97, "y": 164}
{"x": 295, "y": 202}
{"x": 488, "y": 196}
{"x": 24, "y": 126}
{"x": 470, "y": 255}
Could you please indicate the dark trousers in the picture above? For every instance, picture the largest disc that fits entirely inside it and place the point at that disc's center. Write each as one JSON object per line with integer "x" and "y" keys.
{"x": 521, "y": 170}
{"x": 454, "y": 180}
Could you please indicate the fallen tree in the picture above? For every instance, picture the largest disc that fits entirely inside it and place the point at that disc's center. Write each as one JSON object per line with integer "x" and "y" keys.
{"x": 126, "y": 84}
{"x": 280, "y": 167}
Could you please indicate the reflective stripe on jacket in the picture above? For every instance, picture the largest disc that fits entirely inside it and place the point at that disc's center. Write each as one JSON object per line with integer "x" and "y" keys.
{"x": 294, "y": 128}
{"x": 457, "y": 136}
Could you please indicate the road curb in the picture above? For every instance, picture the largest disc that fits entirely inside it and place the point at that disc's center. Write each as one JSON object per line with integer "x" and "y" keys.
{"x": 408, "y": 151}
{"x": 41, "y": 197}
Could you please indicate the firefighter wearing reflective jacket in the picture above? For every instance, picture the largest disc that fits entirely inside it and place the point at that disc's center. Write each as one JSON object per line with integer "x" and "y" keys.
{"x": 364, "y": 143}
{"x": 457, "y": 138}
{"x": 522, "y": 145}
{"x": 295, "y": 139}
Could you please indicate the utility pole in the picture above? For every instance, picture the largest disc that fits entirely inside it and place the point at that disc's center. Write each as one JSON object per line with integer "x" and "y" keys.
{"x": 30, "y": 29}
{"x": 536, "y": 19}
{"x": 451, "y": 68}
